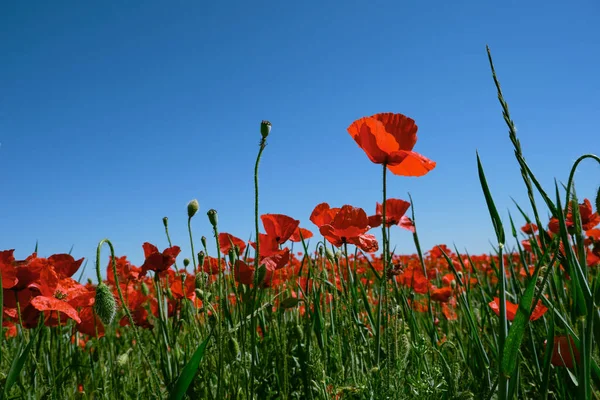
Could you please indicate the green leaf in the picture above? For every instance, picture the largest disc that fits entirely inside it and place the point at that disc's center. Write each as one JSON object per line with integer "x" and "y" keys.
{"x": 496, "y": 221}
{"x": 517, "y": 329}
{"x": 189, "y": 371}
{"x": 289, "y": 302}
{"x": 548, "y": 357}
{"x": 17, "y": 365}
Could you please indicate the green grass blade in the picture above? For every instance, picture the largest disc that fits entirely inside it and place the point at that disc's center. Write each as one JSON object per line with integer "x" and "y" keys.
{"x": 17, "y": 365}
{"x": 496, "y": 221}
{"x": 517, "y": 329}
{"x": 189, "y": 371}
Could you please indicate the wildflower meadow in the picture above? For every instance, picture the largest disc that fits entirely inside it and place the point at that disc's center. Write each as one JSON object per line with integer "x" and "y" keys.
{"x": 323, "y": 311}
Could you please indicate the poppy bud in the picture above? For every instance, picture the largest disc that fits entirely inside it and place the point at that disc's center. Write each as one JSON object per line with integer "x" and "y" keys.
{"x": 165, "y": 221}
{"x": 201, "y": 256}
{"x": 145, "y": 290}
{"x": 105, "y": 306}
{"x": 329, "y": 255}
{"x": 453, "y": 284}
{"x": 234, "y": 347}
{"x": 186, "y": 262}
{"x": 265, "y": 128}
{"x": 192, "y": 208}
{"x": 203, "y": 240}
{"x": 212, "y": 217}
{"x": 231, "y": 256}
{"x": 123, "y": 359}
{"x": 199, "y": 280}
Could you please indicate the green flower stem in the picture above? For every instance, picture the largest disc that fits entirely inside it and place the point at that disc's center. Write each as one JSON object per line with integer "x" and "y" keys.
{"x": 263, "y": 143}
{"x": 153, "y": 373}
{"x": 192, "y": 245}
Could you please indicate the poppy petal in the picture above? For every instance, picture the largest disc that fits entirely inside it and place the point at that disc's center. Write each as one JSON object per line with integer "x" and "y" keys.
{"x": 414, "y": 164}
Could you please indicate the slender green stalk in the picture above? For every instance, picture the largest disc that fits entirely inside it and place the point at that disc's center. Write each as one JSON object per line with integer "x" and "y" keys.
{"x": 212, "y": 216}
{"x": 166, "y": 225}
{"x": 153, "y": 373}
{"x": 265, "y": 129}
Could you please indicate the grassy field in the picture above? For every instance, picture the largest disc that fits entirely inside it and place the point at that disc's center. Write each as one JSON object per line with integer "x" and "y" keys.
{"x": 325, "y": 313}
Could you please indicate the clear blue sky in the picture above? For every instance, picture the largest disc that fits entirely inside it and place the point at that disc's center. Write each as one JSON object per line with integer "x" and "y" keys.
{"x": 116, "y": 114}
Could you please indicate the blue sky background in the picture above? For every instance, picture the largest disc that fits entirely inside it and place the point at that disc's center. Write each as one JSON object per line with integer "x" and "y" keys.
{"x": 116, "y": 114}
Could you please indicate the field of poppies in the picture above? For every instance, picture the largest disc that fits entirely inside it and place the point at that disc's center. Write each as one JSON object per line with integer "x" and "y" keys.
{"x": 324, "y": 311}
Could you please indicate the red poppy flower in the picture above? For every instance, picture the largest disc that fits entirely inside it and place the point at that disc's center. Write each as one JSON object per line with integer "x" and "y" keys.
{"x": 157, "y": 261}
{"x": 511, "y": 309}
{"x": 413, "y": 278}
{"x": 389, "y": 138}
{"x": 244, "y": 273}
{"x": 394, "y": 213}
{"x": 449, "y": 312}
{"x": 56, "y": 295}
{"x": 268, "y": 245}
{"x": 279, "y": 226}
{"x": 349, "y": 226}
{"x": 64, "y": 264}
{"x": 529, "y": 229}
{"x": 226, "y": 241}
{"x": 306, "y": 234}
{"x": 436, "y": 251}
{"x": 126, "y": 272}
{"x": 441, "y": 295}
{"x": 561, "y": 352}
{"x": 589, "y": 218}
{"x": 211, "y": 265}
{"x": 7, "y": 269}
{"x": 323, "y": 214}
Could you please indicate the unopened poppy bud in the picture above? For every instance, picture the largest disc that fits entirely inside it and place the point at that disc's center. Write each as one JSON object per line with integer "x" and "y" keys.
{"x": 265, "y": 128}
{"x": 105, "y": 305}
{"x": 201, "y": 257}
{"x": 145, "y": 290}
{"x": 453, "y": 284}
{"x": 166, "y": 221}
{"x": 234, "y": 347}
{"x": 203, "y": 240}
{"x": 192, "y": 208}
{"x": 123, "y": 359}
{"x": 199, "y": 280}
{"x": 186, "y": 262}
{"x": 329, "y": 255}
{"x": 212, "y": 217}
{"x": 231, "y": 256}
{"x": 321, "y": 251}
